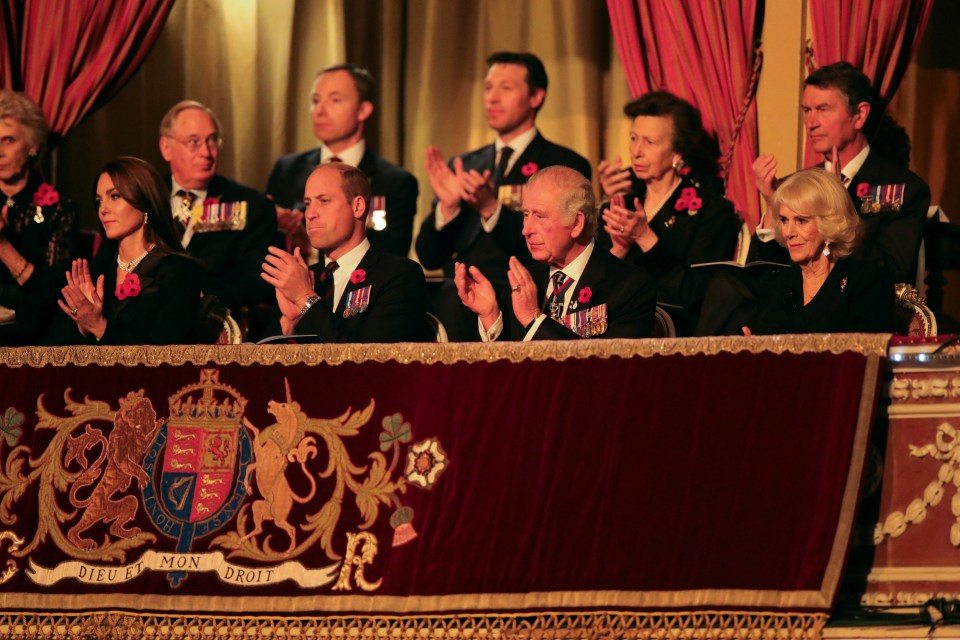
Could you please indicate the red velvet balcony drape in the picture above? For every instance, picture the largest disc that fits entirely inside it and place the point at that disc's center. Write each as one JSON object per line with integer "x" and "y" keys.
{"x": 71, "y": 57}
{"x": 707, "y": 53}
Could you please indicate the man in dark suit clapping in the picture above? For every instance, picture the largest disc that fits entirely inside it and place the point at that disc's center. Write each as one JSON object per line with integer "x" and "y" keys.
{"x": 476, "y": 219}
{"x": 358, "y": 293}
{"x": 576, "y": 290}
{"x": 341, "y": 102}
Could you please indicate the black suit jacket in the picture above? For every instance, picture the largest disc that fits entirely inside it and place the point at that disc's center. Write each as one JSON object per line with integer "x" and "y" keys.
{"x": 890, "y": 238}
{"x": 164, "y": 312}
{"x": 397, "y": 186}
{"x": 857, "y": 296}
{"x": 233, "y": 258}
{"x": 628, "y": 291}
{"x": 464, "y": 240}
{"x": 684, "y": 239}
{"x": 396, "y": 311}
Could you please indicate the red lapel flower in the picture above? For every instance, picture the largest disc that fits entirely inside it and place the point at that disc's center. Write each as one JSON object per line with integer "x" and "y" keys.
{"x": 46, "y": 196}
{"x": 129, "y": 288}
{"x": 358, "y": 276}
{"x": 688, "y": 200}
{"x": 211, "y": 200}
{"x": 584, "y": 296}
{"x": 863, "y": 189}
{"x": 529, "y": 169}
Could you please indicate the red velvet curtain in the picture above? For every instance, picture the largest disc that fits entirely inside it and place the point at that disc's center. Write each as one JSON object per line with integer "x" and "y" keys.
{"x": 71, "y": 57}
{"x": 707, "y": 53}
{"x": 879, "y": 37}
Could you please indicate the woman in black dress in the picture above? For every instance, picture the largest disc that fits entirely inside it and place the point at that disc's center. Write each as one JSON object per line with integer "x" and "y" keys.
{"x": 38, "y": 233}
{"x": 825, "y": 290}
{"x": 141, "y": 288}
{"x": 675, "y": 214}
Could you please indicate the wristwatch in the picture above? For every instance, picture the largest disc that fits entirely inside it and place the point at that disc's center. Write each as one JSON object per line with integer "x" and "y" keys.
{"x": 312, "y": 300}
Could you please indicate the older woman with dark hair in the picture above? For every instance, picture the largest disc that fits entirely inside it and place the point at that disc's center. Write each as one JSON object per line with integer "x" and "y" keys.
{"x": 675, "y": 215}
{"x": 141, "y": 288}
{"x": 825, "y": 290}
{"x": 38, "y": 235}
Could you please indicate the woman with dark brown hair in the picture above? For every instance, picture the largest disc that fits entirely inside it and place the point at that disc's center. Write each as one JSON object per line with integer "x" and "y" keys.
{"x": 141, "y": 288}
{"x": 670, "y": 213}
{"x": 38, "y": 233}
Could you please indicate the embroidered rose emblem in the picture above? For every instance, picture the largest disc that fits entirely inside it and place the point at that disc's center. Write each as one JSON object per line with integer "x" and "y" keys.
{"x": 425, "y": 462}
{"x": 863, "y": 189}
{"x": 46, "y": 196}
{"x": 688, "y": 200}
{"x": 584, "y": 296}
{"x": 129, "y": 288}
{"x": 358, "y": 276}
{"x": 529, "y": 169}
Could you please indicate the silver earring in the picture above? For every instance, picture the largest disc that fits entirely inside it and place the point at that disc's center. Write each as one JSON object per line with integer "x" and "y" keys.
{"x": 146, "y": 217}
{"x": 826, "y": 249}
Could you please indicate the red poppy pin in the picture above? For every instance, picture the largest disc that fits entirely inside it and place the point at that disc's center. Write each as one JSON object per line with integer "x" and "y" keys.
{"x": 358, "y": 276}
{"x": 129, "y": 288}
{"x": 863, "y": 189}
{"x": 529, "y": 169}
{"x": 211, "y": 200}
{"x": 843, "y": 284}
{"x": 584, "y": 296}
{"x": 688, "y": 200}
{"x": 46, "y": 196}
{"x": 685, "y": 171}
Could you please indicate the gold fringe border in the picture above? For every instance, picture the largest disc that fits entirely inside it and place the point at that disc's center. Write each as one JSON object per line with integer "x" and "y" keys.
{"x": 118, "y": 625}
{"x": 406, "y": 353}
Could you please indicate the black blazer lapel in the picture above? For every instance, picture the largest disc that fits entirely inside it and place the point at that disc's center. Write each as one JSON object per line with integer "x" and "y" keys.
{"x": 146, "y": 271}
{"x": 531, "y": 154}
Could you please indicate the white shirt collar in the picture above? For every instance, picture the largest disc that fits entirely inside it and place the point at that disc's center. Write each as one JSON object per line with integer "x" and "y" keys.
{"x": 351, "y": 155}
{"x": 518, "y": 144}
{"x": 849, "y": 171}
{"x": 346, "y": 265}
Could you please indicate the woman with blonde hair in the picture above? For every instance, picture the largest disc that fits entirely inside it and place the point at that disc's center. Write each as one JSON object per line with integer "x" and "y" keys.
{"x": 826, "y": 289}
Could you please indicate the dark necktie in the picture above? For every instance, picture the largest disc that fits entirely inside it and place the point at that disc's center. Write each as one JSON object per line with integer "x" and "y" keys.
{"x": 183, "y": 212}
{"x": 334, "y": 159}
{"x": 326, "y": 284}
{"x": 555, "y": 304}
{"x": 501, "y": 170}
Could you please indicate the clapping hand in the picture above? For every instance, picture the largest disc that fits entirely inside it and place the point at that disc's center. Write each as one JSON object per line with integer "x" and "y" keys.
{"x": 83, "y": 301}
{"x": 614, "y": 179}
{"x": 476, "y": 293}
{"x": 626, "y": 227}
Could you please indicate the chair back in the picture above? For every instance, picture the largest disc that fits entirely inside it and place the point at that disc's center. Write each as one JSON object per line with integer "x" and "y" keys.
{"x": 913, "y": 316}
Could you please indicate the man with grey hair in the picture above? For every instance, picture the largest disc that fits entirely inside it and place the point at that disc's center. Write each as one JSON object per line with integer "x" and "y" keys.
{"x": 225, "y": 225}
{"x": 575, "y": 291}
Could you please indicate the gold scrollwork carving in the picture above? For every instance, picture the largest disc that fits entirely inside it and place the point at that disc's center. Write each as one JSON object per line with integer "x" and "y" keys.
{"x": 924, "y": 388}
{"x": 354, "y": 562}
{"x": 946, "y": 449}
{"x": 15, "y": 543}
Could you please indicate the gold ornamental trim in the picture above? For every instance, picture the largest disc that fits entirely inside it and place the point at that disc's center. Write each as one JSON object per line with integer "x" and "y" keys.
{"x": 547, "y": 625}
{"x": 450, "y": 353}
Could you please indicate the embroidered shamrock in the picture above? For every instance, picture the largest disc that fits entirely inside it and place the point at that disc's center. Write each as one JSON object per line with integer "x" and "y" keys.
{"x": 529, "y": 169}
{"x": 584, "y": 296}
{"x": 688, "y": 200}
{"x": 863, "y": 189}
{"x": 46, "y": 196}
{"x": 10, "y": 425}
{"x": 129, "y": 288}
{"x": 358, "y": 276}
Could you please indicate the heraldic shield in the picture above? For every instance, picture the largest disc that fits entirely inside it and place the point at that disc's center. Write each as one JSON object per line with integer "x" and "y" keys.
{"x": 201, "y": 456}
